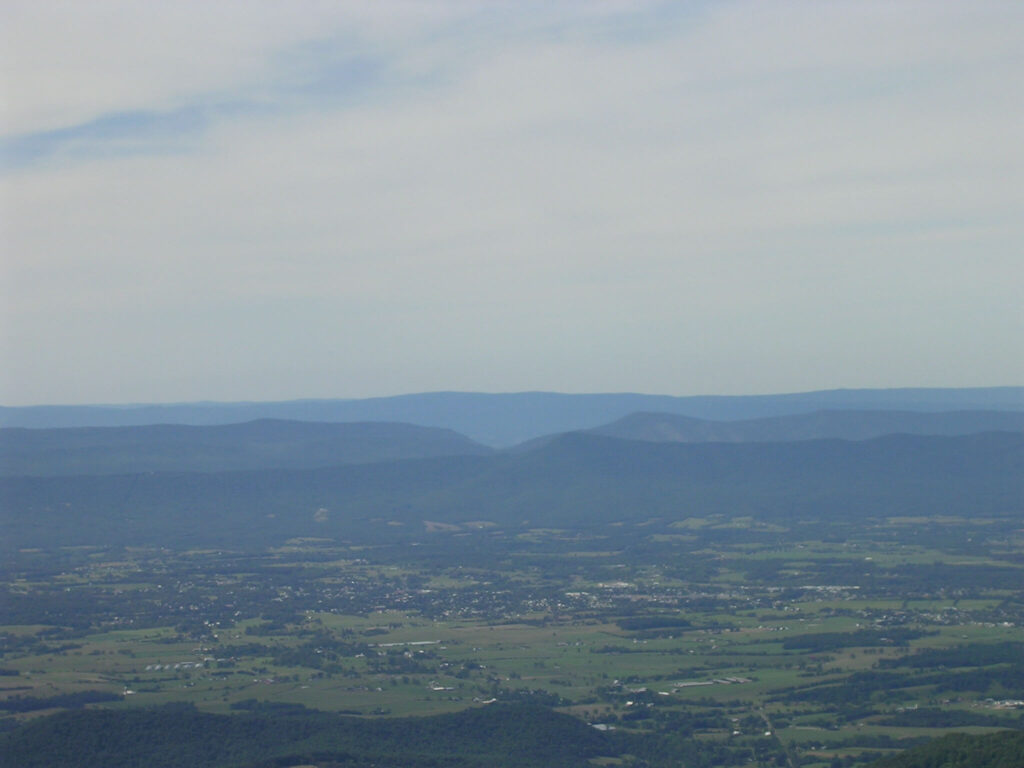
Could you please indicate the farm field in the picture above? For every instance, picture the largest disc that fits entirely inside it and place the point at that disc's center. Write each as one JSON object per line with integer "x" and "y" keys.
{"x": 774, "y": 646}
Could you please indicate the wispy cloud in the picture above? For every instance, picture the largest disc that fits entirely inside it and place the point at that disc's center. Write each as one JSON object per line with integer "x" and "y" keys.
{"x": 113, "y": 134}
{"x": 334, "y": 83}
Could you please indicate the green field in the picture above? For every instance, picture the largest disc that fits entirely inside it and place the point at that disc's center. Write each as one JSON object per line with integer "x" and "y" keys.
{"x": 800, "y": 644}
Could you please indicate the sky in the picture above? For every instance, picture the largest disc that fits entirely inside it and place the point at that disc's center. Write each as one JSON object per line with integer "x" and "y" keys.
{"x": 260, "y": 200}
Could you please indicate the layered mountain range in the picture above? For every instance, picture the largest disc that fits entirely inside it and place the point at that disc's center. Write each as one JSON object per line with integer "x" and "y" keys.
{"x": 502, "y": 420}
{"x": 264, "y": 481}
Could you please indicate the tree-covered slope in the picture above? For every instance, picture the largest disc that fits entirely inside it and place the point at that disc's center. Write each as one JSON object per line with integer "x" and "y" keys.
{"x": 818, "y": 425}
{"x": 263, "y": 444}
{"x": 958, "y": 750}
{"x": 575, "y": 480}
{"x": 517, "y": 736}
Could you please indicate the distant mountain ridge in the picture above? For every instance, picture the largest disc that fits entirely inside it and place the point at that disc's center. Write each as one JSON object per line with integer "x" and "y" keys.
{"x": 817, "y": 425}
{"x": 261, "y": 444}
{"x": 508, "y": 419}
{"x": 575, "y": 480}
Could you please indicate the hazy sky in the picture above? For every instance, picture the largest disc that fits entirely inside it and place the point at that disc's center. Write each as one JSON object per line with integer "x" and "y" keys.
{"x": 272, "y": 200}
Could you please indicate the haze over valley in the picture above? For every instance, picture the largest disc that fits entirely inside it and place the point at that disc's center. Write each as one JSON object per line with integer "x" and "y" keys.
{"x": 464, "y": 384}
{"x": 716, "y": 592}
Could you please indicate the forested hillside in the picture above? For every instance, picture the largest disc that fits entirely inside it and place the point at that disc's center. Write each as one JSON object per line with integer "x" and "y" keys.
{"x": 818, "y": 425}
{"x": 179, "y": 735}
{"x": 263, "y": 444}
{"x": 958, "y": 750}
{"x": 575, "y": 480}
